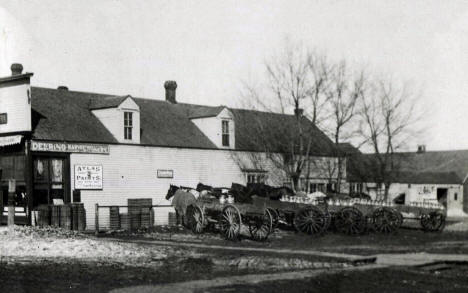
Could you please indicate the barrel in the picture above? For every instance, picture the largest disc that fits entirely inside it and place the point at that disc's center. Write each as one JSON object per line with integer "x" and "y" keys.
{"x": 43, "y": 215}
{"x": 124, "y": 222}
{"x": 114, "y": 218}
{"x": 65, "y": 217}
{"x": 74, "y": 211}
{"x": 145, "y": 214}
{"x": 81, "y": 216}
{"x": 55, "y": 216}
{"x": 172, "y": 219}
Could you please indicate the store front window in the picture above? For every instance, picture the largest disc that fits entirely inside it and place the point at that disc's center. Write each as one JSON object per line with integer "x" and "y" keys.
{"x": 12, "y": 167}
{"x": 50, "y": 180}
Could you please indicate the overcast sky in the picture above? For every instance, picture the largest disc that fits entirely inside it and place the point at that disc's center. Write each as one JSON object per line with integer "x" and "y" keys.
{"x": 132, "y": 47}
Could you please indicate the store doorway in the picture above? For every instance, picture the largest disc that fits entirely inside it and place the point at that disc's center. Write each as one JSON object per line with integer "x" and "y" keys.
{"x": 442, "y": 196}
{"x": 51, "y": 179}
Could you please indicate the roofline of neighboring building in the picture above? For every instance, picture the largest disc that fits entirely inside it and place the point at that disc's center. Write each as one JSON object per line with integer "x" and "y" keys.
{"x": 397, "y": 182}
{"x": 16, "y": 77}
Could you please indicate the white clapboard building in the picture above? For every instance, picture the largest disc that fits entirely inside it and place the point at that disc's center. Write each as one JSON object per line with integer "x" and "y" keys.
{"x": 67, "y": 145}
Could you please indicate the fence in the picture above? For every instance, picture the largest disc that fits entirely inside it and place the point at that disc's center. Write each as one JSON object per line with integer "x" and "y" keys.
{"x": 135, "y": 215}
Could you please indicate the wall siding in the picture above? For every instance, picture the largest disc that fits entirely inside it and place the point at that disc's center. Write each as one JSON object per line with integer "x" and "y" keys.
{"x": 131, "y": 172}
{"x": 15, "y": 102}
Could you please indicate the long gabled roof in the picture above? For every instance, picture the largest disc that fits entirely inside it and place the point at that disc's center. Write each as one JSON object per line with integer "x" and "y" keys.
{"x": 66, "y": 116}
{"x": 437, "y": 167}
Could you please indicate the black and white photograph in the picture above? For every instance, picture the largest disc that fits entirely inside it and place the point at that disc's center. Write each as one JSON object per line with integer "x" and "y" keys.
{"x": 233, "y": 146}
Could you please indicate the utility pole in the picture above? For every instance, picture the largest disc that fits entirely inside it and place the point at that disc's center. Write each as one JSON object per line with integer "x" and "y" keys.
{"x": 11, "y": 201}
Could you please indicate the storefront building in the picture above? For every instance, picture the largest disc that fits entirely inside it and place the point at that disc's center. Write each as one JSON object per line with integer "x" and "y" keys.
{"x": 68, "y": 146}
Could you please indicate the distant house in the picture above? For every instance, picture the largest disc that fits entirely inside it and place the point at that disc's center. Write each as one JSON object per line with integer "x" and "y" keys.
{"x": 104, "y": 149}
{"x": 420, "y": 176}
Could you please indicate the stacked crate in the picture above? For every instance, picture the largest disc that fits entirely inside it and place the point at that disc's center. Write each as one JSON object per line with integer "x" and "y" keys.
{"x": 114, "y": 218}
{"x": 139, "y": 211}
{"x": 65, "y": 217}
{"x": 55, "y": 216}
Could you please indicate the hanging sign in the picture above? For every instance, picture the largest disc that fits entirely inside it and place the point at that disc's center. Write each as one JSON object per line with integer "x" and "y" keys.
{"x": 165, "y": 173}
{"x": 88, "y": 176}
{"x": 65, "y": 147}
{"x": 10, "y": 140}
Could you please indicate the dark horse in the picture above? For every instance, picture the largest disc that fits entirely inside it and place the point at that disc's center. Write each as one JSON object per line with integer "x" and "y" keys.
{"x": 182, "y": 199}
{"x": 263, "y": 190}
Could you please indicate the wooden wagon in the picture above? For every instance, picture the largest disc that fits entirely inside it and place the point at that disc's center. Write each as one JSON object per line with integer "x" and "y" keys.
{"x": 352, "y": 217}
{"x": 305, "y": 217}
{"x": 229, "y": 218}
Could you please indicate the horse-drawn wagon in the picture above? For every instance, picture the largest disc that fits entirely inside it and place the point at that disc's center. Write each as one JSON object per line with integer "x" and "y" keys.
{"x": 311, "y": 216}
{"x": 352, "y": 217}
{"x": 229, "y": 217}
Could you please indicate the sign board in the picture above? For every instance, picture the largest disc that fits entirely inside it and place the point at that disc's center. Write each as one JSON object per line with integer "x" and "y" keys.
{"x": 10, "y": 140}
{"x": 3, "y": 118}
{"x": 88, "y": 176}
{"x": 65, "y": 147}
{"x": 165, "y": 173}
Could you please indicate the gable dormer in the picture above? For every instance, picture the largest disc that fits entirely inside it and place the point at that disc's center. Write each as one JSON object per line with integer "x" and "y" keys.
{"x": 217, "y": 123}
{"x": 120, "y": 115}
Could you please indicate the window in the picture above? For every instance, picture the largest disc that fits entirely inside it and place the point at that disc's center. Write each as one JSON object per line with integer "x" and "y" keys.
{"x": 355, "y": 188}
{"x": 225, "y": 132}
{"x": 256, "y": 177}
{"x": 128, "y": 125}
{"x": 455, "y": 196}
{"x": 50, "y": 180}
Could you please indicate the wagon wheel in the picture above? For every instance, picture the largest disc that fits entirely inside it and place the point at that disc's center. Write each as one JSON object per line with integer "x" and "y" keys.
{"x": 230, "y": 222}
{"x": 275, "y": 218}
{"x": 433, "y": 221}
{"x": 350, "y": 220}
{"x": 261, "y": 226}
{"x": 196, "y": 219}
{"x": 385, "y": 220}
{"x": 310, "y": 220}
{"x": 328, "y": 220}
{"x": 400, "y": 218}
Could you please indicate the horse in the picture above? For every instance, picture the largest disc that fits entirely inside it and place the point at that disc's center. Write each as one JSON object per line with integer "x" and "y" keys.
{"x": 263, "y": 190}
{"x": 182, "y": 199}
{"x": 214, "y": 191}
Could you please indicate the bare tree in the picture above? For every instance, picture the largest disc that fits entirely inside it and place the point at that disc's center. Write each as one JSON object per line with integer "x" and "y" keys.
{"x": 342, "y": 93}
{"x": 292, "y": 85}
{"x": 387, "y": 114}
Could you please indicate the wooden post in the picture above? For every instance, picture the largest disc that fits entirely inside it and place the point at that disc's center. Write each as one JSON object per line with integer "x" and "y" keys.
{"x": 96, "y": 219}
{"x": 11, "y": 201}
{"x": 28, "y": 177}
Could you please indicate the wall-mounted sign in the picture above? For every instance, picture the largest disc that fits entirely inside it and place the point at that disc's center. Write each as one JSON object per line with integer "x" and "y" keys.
{"x": 165, "y": 173}
{"x": 3, "y": 118}
{"x": 88, "y": 176}
{"x": 65, "y": 147}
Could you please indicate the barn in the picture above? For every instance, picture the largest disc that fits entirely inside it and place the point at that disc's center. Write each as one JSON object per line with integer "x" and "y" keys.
{"x": 420, "y": 176}
{"x": 60, "y": 145}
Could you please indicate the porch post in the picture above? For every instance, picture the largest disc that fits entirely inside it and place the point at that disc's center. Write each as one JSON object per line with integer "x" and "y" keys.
{"x": 11, "y": 201}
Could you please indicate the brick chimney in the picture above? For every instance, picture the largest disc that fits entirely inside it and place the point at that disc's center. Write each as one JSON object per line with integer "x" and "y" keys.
{"x": 298, "y": 112}
{"x": 171, "y": 87}
{"x": 16, "y": 69}
{"x": 421, "y": 149}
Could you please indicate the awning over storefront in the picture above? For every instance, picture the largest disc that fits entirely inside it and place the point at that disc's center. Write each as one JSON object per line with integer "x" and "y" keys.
{"x": 10, "y": 140}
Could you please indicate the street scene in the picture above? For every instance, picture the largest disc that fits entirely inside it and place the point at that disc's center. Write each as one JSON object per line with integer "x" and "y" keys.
{"x": 160, "y": 146}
